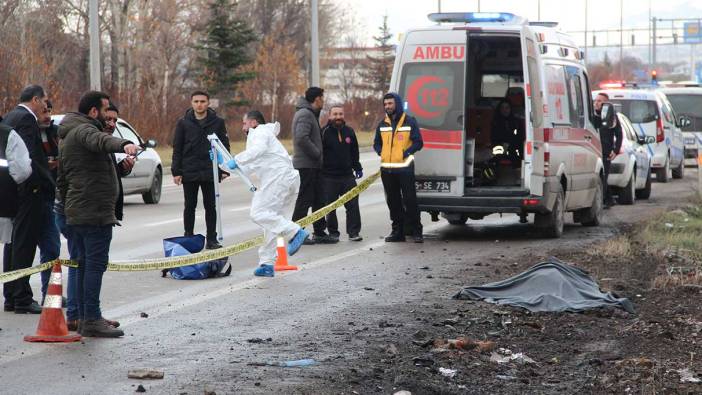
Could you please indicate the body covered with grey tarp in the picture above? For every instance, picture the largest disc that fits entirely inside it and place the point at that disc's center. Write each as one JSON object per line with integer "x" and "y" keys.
{"x": 551, "y": 286}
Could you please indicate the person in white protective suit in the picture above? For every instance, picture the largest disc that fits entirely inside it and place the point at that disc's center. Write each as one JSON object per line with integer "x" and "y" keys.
{"x": 269, "y": 160}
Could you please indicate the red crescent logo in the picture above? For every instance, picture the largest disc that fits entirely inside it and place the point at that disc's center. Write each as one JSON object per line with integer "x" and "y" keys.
{"x": 413, "y": 96}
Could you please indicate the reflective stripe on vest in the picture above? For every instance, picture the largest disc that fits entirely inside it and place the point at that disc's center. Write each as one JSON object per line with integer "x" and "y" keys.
{"x": 395, "y": 143}
{"x": 404, "y": 164}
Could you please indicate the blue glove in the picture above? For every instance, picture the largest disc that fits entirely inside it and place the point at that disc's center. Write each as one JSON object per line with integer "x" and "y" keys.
{"x": 232, "y": 164}
{"x": 220, "y": 159}
{"x": 359, "y": 173}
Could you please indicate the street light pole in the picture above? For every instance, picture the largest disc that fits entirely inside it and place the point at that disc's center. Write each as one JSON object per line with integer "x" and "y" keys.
{"x": 586, "y": 31}
{"x": 94, "y": 33}
{"x": 315, "y": 42}
{"x": 621, "y": 39}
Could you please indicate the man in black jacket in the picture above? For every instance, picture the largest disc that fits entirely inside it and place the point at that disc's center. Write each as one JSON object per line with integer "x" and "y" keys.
{"x": 339, "y": 169}
{"x": 192, "y": 166}
{"x": 36, "y": 197}
{"x": 611, "y": 140}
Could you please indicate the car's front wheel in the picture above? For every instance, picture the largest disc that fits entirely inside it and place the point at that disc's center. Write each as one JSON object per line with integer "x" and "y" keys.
{"x": 153, "y": 195}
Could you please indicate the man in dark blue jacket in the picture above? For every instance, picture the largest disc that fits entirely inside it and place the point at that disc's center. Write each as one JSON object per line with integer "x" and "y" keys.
{"x": 36, "y": 198}
{"x": 340, "y": 168}
{"x": 397, "y": 138}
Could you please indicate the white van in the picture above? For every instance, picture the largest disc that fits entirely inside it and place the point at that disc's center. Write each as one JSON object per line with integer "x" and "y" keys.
{"x": 630, "y": 172}
{"x": 652, "y": 115}
{"x": 545, "y": 160}
{"x": 687, "y": 104}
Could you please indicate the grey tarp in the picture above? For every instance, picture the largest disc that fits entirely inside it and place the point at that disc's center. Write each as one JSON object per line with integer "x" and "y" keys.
{"x": 549, "y": 286}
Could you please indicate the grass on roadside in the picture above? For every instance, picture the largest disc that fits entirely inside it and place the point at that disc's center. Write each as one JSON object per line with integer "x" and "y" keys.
{"x": 676, "y": 238}
{"x": 365, "y": 139}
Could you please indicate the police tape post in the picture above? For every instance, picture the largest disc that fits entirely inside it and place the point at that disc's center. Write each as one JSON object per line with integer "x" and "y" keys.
{"x": 204, "y": 256}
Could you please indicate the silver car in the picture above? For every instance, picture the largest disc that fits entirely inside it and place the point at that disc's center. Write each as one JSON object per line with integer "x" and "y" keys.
{"x": 146, "y": 177}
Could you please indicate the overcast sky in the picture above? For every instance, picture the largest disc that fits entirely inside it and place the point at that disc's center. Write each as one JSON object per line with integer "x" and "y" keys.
{"x": 602, "y": 14}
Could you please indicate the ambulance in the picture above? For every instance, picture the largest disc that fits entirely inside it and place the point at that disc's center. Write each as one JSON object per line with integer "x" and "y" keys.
{"x": 506, "y": 116}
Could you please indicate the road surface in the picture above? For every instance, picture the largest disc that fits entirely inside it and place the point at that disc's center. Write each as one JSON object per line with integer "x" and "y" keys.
{"x": 202, "y": 334}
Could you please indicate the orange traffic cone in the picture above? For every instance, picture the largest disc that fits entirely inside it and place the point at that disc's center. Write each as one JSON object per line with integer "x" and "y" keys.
{"x": 52, "y": 324}
{"x": 281, "y": 263}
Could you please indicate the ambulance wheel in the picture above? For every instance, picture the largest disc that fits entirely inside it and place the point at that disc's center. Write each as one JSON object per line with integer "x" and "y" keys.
{"x": 592, "y": 216}
{"x": 645, "y": 193}
{"x": 679, "y": 172}
{"x": 626, "y": 196}
{"x": 460, "y": 221}
{"x": 153, "y": 195}
{"x": 551, "y": 224}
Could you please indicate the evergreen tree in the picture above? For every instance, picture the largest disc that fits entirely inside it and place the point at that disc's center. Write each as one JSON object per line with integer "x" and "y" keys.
{"x": 380, "y": 67}
{"x": 224, "y": 49}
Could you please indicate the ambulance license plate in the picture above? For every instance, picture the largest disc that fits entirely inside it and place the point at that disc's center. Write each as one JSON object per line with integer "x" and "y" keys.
{"x": 433, "y": 186}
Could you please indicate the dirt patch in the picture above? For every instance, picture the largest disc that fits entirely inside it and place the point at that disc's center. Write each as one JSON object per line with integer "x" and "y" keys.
{"x": 448, "y": 346}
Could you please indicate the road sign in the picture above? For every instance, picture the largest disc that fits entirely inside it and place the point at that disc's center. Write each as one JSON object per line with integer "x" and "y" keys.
{"x": 692, "y": 33}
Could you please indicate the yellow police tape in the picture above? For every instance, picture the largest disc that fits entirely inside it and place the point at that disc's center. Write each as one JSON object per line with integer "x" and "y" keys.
{"x": 204, "y": 256}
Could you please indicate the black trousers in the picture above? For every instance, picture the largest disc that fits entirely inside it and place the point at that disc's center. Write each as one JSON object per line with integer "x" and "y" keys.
{"x": 334, "y": 187}
{"x": 606, "y": 191}
{"x": 311, "y": 195}
{"x": 190, "y": 190}
{"x": 26, "y": 232}
{"x": 401, "y": 196}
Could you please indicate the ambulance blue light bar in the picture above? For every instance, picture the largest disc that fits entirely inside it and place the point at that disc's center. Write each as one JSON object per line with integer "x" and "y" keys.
{"x": 475, "y": 17}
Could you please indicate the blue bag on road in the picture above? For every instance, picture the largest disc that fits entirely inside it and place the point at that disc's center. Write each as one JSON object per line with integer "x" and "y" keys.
{"x": 185, "y": 245}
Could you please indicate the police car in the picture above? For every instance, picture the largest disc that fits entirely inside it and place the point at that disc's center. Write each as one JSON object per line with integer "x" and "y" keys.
{"x": 630, "y": 172}
{"x": 146, "y": 177}
{"x": 687, "y": 103}
{"x": 652, "y": 115}
{"x": 454, "y": 75}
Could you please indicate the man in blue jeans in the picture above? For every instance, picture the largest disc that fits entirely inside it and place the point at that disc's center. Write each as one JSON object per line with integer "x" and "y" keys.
{"x": 124, "y": 168}
{"x": 88, "y": 186}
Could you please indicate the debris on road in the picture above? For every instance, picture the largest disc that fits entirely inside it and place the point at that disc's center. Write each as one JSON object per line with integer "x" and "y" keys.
{"x": 144, "y": 315}
{"x": 686, "y": 376}
{"x": 286, "y": 364}
{"x": 450, "y": 373}
{"x": 504, "y": 355}
{"x": 257, "y": 340}
{"x": 145, "y": 374}
{"x": 140, "y": 388}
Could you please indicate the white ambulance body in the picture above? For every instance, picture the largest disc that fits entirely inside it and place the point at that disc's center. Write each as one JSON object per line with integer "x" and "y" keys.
{"x": 452, "y": 77}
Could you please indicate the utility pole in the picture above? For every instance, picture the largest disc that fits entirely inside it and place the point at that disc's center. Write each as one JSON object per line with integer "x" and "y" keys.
{"x": 650, "y": 63}
{"x": 585, "y": 32}
{"x": 438, "y": 5}
{"x": 653, "y": 46}
{"x": 538, "y": 9}
{"x": 621, "y": 39}
{"x": 315, "y": 42}
{"x": 94, "y": 32}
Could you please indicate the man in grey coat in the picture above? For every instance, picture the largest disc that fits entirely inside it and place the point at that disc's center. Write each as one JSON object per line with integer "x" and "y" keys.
{"x": 307, "y": 159}
{"x": 88, "y": 186}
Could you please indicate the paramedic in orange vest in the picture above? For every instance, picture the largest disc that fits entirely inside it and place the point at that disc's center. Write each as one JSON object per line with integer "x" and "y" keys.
{"x": 397, "y": 138}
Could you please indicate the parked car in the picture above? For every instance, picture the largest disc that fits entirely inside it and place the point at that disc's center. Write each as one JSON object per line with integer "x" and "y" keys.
{"x": 651, "y": 114}
{"x": 146, "y": 177}
{"x": 453, "y": 76}
{"x": 687, "y": 103}
{"x": 630, "y": 171}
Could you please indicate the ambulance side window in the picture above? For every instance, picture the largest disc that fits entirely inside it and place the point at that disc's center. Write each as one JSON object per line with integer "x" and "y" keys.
{"x": 535, "y": 93}
{"x": 575, "y": 94}
{"x": 558, "y": 97}
{"x": 434, "y": 93}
